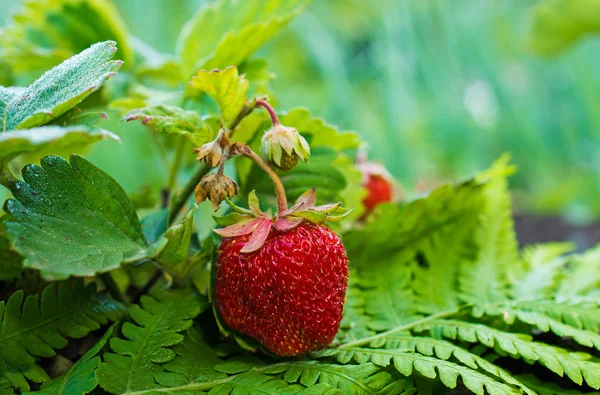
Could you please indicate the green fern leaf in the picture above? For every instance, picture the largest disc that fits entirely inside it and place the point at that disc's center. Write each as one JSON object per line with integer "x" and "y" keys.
{"x": 576, "y": 366}
{"x": 19, "y": 379}
{"x": 39, "y": 326}
{"x": 543, "y": 267}
{"x": 582, "y": 278}
{"x": 546, "y": 388}
{"x": 486, "y": 280}
{"x": 352, "y": 379}
{"x": 11, "y": 263}
{"x": 81, "y": 378}
{"x": 446, "y": 350}
{"x": 158, "y": 323}
{"x": 544, "y": 323}
{"x": 406, "y": 363}
{"x": 354, "y": 323}
{"x": 578, "y": 314}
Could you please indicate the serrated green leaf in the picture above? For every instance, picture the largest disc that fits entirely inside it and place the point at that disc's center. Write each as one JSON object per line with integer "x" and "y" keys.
{"x": 232, "y": 31}
{"x": 226, "y": 87}
{"x": 155, "y": 225}
{"x": 175, "y": 120}
{"x": 46, "y": 32}
{"x": 62, "y": 88}
{"x": 40, "y": 325}
{"x": 158, "y": 323}
{"x": 47, "y": 138}
{"x": 557, "y": 24}
{"x": 72, "y": 219}
{"x": 81, "y": 378}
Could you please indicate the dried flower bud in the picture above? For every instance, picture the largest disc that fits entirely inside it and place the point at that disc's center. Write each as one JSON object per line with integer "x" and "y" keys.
{"x": 216, "y": 187}
{"x": 283, "y": 147}
{"x": 212, "y": 152}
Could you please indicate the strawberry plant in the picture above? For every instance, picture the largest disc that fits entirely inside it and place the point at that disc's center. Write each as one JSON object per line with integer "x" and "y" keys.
{"x": 340, "y": 292}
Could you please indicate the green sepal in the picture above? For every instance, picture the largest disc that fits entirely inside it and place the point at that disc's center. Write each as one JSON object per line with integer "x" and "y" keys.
{"x": 237, "y": 208}
{"x": 229, "y": 219}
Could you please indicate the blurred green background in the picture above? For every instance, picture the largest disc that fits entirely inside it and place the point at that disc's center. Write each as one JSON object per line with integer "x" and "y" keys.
{"x": 437, "y": 88}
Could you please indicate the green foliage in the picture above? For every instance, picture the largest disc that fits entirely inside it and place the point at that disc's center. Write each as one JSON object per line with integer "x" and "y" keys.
{"x": 70, "y": 218}
{"x": 175, "y": 120}
{"x": 81, "y": 377}
{"x": 47, "y": 32}
{"x": 439, "y": 298}
{"x": 61, "y": 88}
{"x": 48, "y": 138}
{"x": 158, "y": 321}
{"x": 557, "y": 24}
{"x": 232, "y": 32}
{"x": 40, "y": 325}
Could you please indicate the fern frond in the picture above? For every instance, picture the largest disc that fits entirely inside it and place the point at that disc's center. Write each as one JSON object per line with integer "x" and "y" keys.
{"x": 582, "y": 277}
{"x": 388, "y": 293}
{"x": 539, "y": 320}
{"x": 445, "y": 350}
{"x": 542, "y": 269}
{"x": 354, "y": 322}
{"x": 546, "y": 388}
{"x": 19, "y": 379}
{"x": 578, "y": 314}
{"x": 350, "y": 379}
{"x": 39, "y": 326}
{"x": 576, "y": 366}
{"x": 486, "y": 280}
{"x": 406, "y": 363}
{"x": 158, "y": 322}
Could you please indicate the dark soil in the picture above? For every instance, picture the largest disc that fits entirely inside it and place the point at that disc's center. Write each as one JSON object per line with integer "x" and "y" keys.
{"x": 538, "y": 229}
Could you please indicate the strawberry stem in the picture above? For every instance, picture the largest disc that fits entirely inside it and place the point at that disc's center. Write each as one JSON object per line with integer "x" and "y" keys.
{"x": 279, "y": 189}
{"x": 267, "y": 106}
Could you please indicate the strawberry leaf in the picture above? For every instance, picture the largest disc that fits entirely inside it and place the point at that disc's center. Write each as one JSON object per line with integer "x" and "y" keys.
{"x": 72, "y": 219}
{"x": 232, "y": 31}
{"x": 175, "y": 120}
{"x": 47, "y": 32}
{"x": 61, "y": 88}
{"x": 46, "y": 138}
{"x": 226, "y": 87}
{"x": 174, "y": 257}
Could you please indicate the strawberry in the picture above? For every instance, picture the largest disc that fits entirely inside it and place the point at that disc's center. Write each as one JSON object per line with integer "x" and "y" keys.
{"x": 379, "y": 190}
{"x": 283, "y": 280}
{"x": 378, "y": 182}
{"x": 289, "y": 294}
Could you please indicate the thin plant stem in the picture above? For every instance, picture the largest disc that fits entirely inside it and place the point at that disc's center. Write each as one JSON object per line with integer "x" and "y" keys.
{"x": 187, "y": 191}
{"x": 267, "y": 106}
{"x": 279, "y": 189}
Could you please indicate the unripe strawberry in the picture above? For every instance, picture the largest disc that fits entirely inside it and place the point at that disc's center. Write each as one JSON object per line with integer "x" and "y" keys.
{"x": 289, "y": 294}
{"x": 283, "y": 147}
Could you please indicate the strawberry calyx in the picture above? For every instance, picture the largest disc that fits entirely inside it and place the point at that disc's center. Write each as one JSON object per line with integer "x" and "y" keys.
{"x": 254, "y": 221}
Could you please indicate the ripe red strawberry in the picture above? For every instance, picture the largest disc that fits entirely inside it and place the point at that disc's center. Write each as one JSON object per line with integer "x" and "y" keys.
{"x": 379, "y": 190}
{"x": 283, "y": 280}
{"x": 289, "y": 294}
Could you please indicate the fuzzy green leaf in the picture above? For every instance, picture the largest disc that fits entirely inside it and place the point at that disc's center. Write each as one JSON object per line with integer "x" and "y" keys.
{"x": 61, "y": 88}
{"x": 81, "y": 378}
{"x": 39, "y": 326}
{"x": 47, "y": 138}
{"x": 72, "y": 219}
{"x": 226, "y": 87}
{"x": 46, "y": 32}
{"x": 158, "y": 323}
{"x": 175, "y": 120}
{"x": 232, "y": 31}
